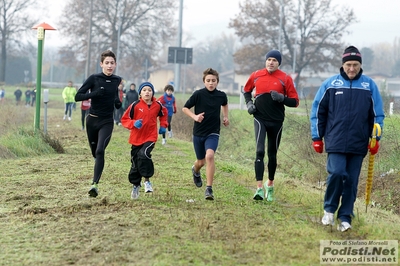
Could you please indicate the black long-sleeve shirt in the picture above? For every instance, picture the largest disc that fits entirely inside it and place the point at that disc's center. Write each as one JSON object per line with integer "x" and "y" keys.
{"x": 101, "y": 106}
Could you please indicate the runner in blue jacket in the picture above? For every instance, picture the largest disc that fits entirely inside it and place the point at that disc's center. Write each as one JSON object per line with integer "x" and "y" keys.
{"x": 343, "y": 114}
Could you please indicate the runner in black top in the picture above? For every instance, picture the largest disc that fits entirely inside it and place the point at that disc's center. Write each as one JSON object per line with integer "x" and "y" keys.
{"x": 272, "y": 90}
{"x": 207, "y": 103}
{"x": 99, "y": 123}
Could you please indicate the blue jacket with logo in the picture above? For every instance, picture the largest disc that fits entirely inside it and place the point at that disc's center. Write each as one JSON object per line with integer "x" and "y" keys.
{"x": 344, "y": 112}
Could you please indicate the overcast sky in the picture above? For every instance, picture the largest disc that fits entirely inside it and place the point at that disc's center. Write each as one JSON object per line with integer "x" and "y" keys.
{"x": 378, "y": 20}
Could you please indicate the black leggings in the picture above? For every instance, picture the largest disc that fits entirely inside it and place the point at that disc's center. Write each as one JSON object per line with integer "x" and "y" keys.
{"x": 84, "y": 113}
{"x": 118, "y": 113}
{"x": 142, "y": 164}
{"x": 273, "y": 131}
{"x": 169, "y": 125}
{"x": 99, "y": 131}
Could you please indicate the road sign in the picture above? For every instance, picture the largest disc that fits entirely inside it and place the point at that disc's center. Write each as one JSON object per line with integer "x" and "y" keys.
{"x": 180, "y": 55}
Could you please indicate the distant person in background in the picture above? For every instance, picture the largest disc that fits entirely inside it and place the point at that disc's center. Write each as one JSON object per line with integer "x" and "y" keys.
{"x": 100, "y": 122}
{"x": 68, "y": 95}
{"x": 207, "y": 103}
{"x": 85, "y": 106}
{"x": 18, "y": 95}
{"x": 343, "y": 114}
{"x": 28, "y": 97}
{"x": 273, "y": 89}
{"x": 74, "y": 104}
{"x": 120, "y": 111}
{"x": 33, "y": 97}
{"x": 132, "y": 95}
{"x": 141, "y": 119}
{"x": 124, "y": 100}
{"x": 2, "y": 95}
{"x": 168, "y": 101}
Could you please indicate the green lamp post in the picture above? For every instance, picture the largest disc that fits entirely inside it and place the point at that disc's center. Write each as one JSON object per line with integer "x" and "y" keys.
{"x": 41, "y": 28}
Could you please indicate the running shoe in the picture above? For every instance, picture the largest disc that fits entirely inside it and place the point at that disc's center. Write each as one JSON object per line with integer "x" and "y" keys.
{"x": 135, "y": 192}
{"x": 344, "y": 226}
{"x": 147, "y": 187}
{"x": 269, "y": 192}
{"x": 209, "y": 194}
{"x": 328, "y": 219}
{"x": 197, "y": 178}
{"x": 94, "y": 191}
{"x": 259, "y": 194}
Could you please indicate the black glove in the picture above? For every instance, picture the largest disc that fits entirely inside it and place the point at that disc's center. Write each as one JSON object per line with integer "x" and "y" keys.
{"x": 251, "y": 108}
{"x": 117, "y": 103}
{"x": 276, "y": 96}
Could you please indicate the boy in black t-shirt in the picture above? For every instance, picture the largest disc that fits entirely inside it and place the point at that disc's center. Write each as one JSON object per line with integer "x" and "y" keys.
{"x": 207, "y": 104}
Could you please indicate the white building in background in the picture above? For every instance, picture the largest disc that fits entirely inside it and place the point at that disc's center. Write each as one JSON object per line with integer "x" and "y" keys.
{"x": 392, "y": 87}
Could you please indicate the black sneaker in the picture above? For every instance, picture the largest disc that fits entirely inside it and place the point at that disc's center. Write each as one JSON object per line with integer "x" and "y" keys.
{"x": 209, "y": 194}
{"x": 94, "y": 191}
{"x": 197, "y": 178}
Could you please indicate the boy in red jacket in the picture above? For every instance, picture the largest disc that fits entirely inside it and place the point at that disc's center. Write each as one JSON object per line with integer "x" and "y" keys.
{"x": 141, "y": 119}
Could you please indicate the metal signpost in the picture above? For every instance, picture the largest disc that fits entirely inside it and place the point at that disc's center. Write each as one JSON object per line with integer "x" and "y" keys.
{"x": 180, "y": 55}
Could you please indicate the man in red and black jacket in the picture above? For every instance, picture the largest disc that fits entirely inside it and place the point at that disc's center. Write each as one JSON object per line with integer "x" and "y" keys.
{"x": 272, "y": 90}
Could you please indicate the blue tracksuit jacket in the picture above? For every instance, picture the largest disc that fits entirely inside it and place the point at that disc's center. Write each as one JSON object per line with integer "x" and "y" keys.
{"x": 344, "y": 112}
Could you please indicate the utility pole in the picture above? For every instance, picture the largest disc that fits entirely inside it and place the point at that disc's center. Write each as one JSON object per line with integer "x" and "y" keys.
{"x": 280, "y": 25}
{"x": 88, "y": 55}
{"x": 177, "y": 74}
{"x": 118, "y": 37}
{"x": 295, "y": 41}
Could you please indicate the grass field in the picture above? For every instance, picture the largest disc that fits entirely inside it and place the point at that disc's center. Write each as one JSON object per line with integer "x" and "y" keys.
{"x": 46, "y": 217}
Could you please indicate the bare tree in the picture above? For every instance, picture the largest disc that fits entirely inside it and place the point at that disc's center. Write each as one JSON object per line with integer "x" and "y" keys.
{"x": 14, "y": 20}
{"x": 216, "y": 52}
{"x": 311, "y": 31}
{"x": 384, "y": 58}
{"x": 367, "y": 58}
{"x": 139, "y": 28}
{"x": 396, "y": 57}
